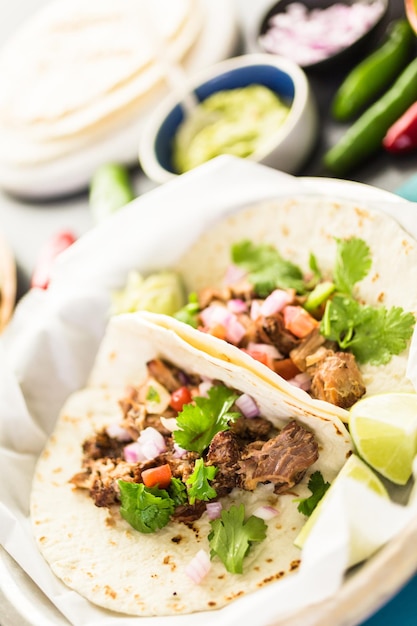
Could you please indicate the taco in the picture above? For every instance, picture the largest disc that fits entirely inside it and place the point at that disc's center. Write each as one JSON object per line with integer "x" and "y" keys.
{"x": 313, "y": 294}
{"x": 138, "y": 486}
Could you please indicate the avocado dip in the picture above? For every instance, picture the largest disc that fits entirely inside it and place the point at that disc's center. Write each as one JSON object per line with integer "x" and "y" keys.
{"x": 233, "y": 121}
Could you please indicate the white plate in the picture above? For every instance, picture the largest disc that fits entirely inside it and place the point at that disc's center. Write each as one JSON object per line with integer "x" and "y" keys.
{"x": 71, "y": 173}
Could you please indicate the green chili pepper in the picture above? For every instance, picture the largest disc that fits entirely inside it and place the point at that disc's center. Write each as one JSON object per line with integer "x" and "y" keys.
{"x": 375, "y": 73}
{"x": 365, "y": 136}
{"x": 110, "y": 189}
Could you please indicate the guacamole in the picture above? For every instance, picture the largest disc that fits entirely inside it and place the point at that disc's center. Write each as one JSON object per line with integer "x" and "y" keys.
{"x": 234, "y": 121}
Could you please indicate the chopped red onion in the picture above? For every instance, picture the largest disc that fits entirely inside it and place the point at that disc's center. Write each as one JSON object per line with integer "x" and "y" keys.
{"x": 179, "y": 452}
{"x": 170, "y": 423}
{"x": 265, "y": 348}
{"x": 237, "y": 305}
{"x": 266, "y": 512}
{"x": 115, "y": 431}
{"x": 133, "y": 453}
{"x": 213, "y": 509}
{"x": 275, "y": 302}
{"x": 302, "y": 380}
{"x": 215, "y": 314}
{"x": 235, "y": 331}
{"x": 198, "y": 567}
{"x": 311, "y": 36}
{"x": 234, "y": 274}
{"x": 255, "y": 309}
{"x": 149, "y": 445}
{"x": 247, "y": 406}
{"x": 204, "y": 387}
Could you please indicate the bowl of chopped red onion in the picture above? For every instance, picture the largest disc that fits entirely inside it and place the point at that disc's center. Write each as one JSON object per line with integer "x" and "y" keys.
{"x": 318, "y": 33}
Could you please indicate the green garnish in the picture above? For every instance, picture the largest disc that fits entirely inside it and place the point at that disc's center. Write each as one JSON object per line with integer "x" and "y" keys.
{"x": 231, "y": 537}
{"x": 318, "y": 488}
{"x": 266, "y": 268}
{"x": 373, "y": 335}
{"x": 198, "y": 486}
{"x": 177, "y": 491}
{"x": 353, "y": 262}
{"x": 199, "y": 422}
{"x": 152, "y": 395}
{"x": 145, "y": 508}
{"x": 189, "y": 312}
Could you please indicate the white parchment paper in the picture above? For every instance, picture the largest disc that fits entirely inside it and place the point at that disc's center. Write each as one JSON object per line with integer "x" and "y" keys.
{"x": 49, "y": 348}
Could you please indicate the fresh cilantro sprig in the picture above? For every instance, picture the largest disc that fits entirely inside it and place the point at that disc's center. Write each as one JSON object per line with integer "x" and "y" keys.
{"x": 318, "y": 488}
{"x": 145, "y": 508}
{"x": 199, "y": 422}
{"x": 352, "y": 264}
{"x": 198, "y": 485}
{"x": 266, "y": 268}
{"x": 372, "y": 334}
{"x": 177, "y": 491}
{"x": 232, "y": 536}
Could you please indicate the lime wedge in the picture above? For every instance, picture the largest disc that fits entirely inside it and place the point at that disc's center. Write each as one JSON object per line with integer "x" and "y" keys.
{"x": 384, "y": 431}
{"x": 353, "y": 468}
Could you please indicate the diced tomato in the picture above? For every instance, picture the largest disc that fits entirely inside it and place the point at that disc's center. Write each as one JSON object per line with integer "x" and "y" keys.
{"x": 218, "y": 331}
{"x": 179, "y": 397}
{"x": 157, "y": 476}
{"x": 298, "y": 321}
{"x": 50, "y": 250}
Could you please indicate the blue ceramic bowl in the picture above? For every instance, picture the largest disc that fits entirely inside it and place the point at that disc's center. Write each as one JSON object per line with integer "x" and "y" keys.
{"x": 286, "y": 150}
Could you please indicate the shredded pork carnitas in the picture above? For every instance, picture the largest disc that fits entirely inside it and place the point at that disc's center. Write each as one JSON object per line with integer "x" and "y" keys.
{"x": 249, "y": 452}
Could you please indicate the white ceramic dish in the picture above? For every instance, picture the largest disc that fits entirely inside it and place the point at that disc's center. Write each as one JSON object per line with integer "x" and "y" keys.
{"x": 286, "y": 150}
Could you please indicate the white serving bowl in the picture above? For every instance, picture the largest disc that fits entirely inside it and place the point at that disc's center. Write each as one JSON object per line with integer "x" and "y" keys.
{"x": 286, "y": 150}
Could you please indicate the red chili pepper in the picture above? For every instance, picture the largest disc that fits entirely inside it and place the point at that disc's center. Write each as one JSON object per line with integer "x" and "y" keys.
{"x": 402, "y": 135}
{"x": 50, "y": 250}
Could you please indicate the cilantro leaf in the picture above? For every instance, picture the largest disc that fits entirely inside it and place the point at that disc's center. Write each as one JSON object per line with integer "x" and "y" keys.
{"x": 266, "y": 268}
{"x": 198, "y": 486}
{"x": 177, "y": 491}
{"x": 373, "y": 335}
{"x": 146, "y": 509}
{"x": 231, "y": 537}
{"x": 318, "y": 488}
{"x": 189, "y": 312}
{"x": 199, "y": 422}
{"x": 153, "y": 395}
{"x": 353, "y": 262}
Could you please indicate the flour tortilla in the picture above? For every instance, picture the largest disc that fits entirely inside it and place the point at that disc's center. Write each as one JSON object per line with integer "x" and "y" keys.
{"x": 90, "y": 63}
{"x": 297, "y": 226}
{"x": 103, "y": 558}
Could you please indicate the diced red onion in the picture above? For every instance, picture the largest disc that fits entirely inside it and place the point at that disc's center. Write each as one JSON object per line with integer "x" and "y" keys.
{"x": 115, "y": 431}
{"x": 215, "y": 314}
{"x": 247, "y": 406}
{"x": 149, "y": 445}
{"x": 204, "y": 387}
{"x": 275, "y": 302}
{"x": 311, "y": 36}
{"x": 133, "y": 453}
{"x": 213, "y": 509}
{"x": 234, "y": 274}
{"x": 265, "y": 348}
{"x": 235, "y": 331}
{"x": 266, "y": 512}
{"x": 302, "y": 380}
{"x": 198, "y": 567}
{"x": 237, "y": 305}
{"x": 170, "y": 423}
{"x": 179, "y": 452}
{"x": 255, "y": 309}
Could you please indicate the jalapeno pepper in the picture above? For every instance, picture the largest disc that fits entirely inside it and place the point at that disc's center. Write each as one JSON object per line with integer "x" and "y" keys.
{"x": 364, "y": 138}
{"x": 402, "y": 135}
{"x": 375, "y": 73}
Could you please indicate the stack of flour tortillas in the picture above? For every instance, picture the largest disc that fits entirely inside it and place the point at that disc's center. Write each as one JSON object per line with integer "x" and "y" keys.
{"x": 77, "y": 80}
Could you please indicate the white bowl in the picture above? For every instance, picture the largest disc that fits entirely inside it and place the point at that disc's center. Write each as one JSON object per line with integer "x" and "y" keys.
{"x": 287, "y": 149}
